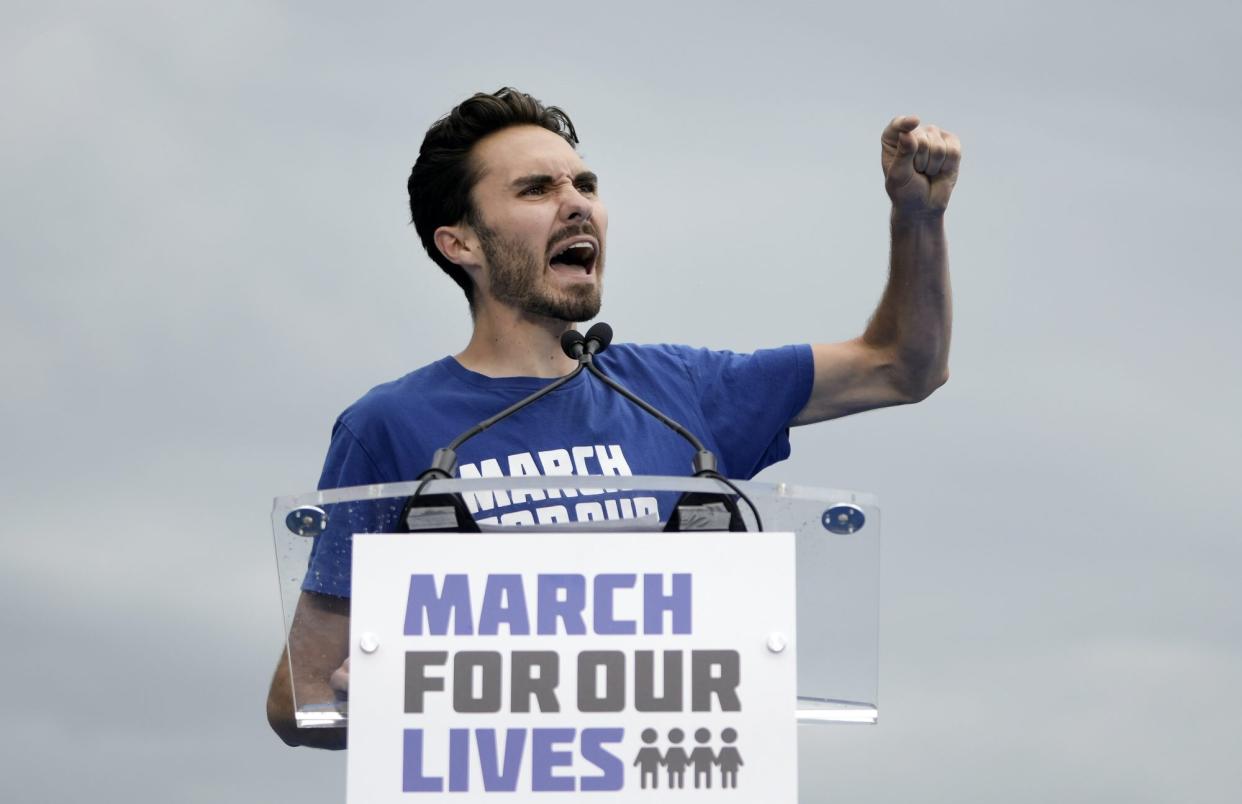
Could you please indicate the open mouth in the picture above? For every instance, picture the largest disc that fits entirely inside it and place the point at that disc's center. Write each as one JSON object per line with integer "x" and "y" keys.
{"x": 576, "y": 257}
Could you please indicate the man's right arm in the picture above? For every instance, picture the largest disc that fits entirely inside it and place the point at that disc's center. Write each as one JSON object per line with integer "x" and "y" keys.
{"x": 319, "y": 641}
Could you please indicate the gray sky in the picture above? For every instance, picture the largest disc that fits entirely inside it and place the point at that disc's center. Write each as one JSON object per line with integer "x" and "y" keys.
{"x": 207, "y": 256}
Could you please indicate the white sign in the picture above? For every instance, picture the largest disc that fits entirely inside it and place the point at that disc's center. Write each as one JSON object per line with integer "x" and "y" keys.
{"x": 644, "y": 667}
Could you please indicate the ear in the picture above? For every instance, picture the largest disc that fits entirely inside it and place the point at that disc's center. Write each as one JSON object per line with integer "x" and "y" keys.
{"x": 459, "y": 246}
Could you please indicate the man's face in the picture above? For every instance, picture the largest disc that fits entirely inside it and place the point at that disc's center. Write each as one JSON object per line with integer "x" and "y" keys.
{"x": 540, "y": 224}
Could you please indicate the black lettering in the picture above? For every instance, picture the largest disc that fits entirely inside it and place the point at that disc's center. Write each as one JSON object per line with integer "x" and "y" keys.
{"x": 704, "y": 683}
{"x": 590, "y": 698}
{"x": 464, "y": 699}
{"x": 416, "y": 679}
{"x": 537, "y": 673}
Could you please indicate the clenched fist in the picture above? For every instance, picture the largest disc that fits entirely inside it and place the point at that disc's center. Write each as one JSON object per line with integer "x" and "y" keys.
{"x": 920, "y": 165}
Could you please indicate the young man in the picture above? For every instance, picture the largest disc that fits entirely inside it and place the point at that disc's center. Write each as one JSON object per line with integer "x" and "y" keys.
{"x": 504, "y": 204}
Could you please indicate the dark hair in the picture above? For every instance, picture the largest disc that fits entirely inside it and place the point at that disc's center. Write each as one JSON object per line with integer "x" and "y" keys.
{"x": 444, "y": 174}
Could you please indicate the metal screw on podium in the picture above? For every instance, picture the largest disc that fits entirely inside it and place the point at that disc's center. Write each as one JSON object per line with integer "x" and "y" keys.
{"x": 777, "y": 642}
{"x": 309, "y": 520}
{"x": 844, "y": 519}
{"x": 368, "y": 642}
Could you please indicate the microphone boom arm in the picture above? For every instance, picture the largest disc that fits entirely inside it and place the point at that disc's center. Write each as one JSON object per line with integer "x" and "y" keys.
{"x": 704, "y": 460}
{"x": 444, "y": 462}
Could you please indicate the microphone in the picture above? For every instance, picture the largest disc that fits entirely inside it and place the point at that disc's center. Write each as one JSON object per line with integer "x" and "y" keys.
{"x": 598, "y": 337}
{"x": 433, "y": 510}
{"x": 573, "y": 344}
{"x": 577, "y": 346}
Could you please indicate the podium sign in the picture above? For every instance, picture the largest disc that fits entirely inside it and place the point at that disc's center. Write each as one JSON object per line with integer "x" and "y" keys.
{"x": 632, "y": 666}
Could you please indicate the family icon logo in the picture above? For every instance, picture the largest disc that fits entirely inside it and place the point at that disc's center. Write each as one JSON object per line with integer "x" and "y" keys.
{"x": 675, "y": 759}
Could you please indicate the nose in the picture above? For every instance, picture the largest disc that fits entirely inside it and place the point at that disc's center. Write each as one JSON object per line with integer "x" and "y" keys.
{"x": 575, "y": 207}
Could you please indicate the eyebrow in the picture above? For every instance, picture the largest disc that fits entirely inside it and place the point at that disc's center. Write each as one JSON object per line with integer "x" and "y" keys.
{"x": 544, "y": 178}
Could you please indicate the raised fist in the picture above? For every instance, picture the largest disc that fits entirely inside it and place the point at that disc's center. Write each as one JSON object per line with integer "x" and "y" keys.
{"x": 920, "y": 165}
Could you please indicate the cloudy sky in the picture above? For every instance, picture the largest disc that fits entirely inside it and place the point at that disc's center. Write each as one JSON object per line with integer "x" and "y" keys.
{"x": 206, "y": 256}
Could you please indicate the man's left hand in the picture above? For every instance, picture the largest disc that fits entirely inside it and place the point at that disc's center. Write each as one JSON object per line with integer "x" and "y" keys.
{"x": 339, "y": 680}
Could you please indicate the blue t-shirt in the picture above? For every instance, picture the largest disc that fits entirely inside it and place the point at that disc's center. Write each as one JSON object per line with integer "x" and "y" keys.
{"x": 739, "y": 406}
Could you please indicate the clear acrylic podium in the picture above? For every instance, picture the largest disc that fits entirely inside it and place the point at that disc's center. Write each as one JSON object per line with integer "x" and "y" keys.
{"x": 837, "y": 537}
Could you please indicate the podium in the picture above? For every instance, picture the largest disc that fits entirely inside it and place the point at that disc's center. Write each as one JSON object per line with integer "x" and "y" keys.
{"x": 831, "y": 582}
{"x": 837, "y": 552}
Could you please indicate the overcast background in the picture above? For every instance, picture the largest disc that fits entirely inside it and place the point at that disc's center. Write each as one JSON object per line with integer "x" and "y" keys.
{"x": 206, "y": 256}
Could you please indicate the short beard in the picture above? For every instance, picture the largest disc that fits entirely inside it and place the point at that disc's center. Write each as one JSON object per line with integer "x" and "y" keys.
{"x": 516, "y": 278}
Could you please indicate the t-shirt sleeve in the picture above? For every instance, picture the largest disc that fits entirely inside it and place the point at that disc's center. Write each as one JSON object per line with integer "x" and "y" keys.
{"x": 348, "y": 464}
{"x": 748, "y": 401}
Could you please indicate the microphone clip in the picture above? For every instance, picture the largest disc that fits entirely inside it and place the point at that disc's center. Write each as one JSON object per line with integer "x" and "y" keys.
{"x": 444, "y": 512}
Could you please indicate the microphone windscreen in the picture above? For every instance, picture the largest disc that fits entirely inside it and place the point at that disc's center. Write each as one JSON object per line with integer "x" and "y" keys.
{"x": 601, "y": 333}
{"x": 570, "y": 339}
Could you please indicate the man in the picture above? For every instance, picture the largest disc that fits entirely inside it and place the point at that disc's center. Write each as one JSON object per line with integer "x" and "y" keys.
{"x": 504, "y": 204}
